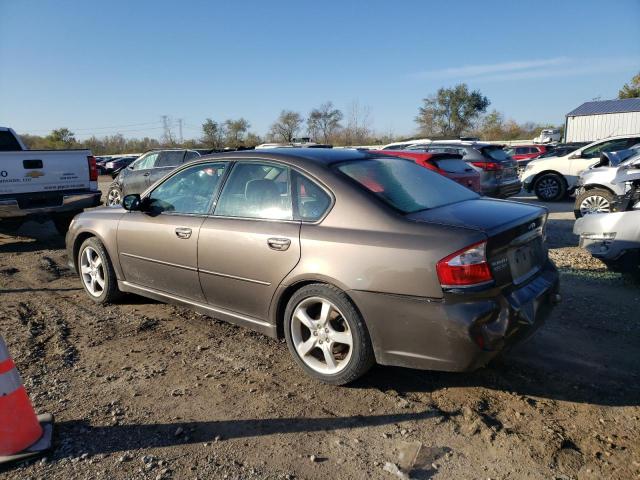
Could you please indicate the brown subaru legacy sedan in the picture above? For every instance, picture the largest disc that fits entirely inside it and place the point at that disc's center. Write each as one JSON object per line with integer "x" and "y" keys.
{"x": 353, "y": 257}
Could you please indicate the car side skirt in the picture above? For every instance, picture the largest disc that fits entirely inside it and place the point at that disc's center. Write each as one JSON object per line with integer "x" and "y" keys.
{"x": 217, "y": 313}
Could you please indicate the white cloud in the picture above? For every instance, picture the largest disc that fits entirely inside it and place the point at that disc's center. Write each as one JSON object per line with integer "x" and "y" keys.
{"x": 530, "y": 69}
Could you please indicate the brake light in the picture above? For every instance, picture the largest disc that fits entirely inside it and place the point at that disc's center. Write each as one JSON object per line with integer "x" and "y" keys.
{"x": 465, "y": 267}
{"x": 488, "y": 166}
{"x": 93, "y": 169}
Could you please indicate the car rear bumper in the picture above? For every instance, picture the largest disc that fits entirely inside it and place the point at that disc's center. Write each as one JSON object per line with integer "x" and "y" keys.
{"x": 457, "y": 333}
{"x": 48, "y": 202}
{"x": 505, "y": 189}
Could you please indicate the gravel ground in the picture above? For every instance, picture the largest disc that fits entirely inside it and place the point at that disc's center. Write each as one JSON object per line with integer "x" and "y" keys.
{"x": 150, "y": 391}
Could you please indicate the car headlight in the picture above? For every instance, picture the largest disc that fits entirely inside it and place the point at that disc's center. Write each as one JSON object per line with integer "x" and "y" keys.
{"x": 528, "y": 167}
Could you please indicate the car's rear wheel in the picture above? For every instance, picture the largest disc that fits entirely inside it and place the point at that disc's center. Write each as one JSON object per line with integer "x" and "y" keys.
{"x": 550, "y": 187}
{"x": 96, "y": 272}
{"x": 596, "y": 200}
{"x": 326, "y": 335}
{"x": 114, "y": 196}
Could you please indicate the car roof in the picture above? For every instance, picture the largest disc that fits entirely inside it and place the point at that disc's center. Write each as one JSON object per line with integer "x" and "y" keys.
{"x": 317, "y": 156}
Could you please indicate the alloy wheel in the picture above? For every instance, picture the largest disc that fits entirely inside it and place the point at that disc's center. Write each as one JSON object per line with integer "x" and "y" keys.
{"x": 92, "y": 271}
{"x": 548, "y": 187}
{"x": 595, "y": 204}
{"x": 114, "y": 197}
{"x": 321, "y": 335}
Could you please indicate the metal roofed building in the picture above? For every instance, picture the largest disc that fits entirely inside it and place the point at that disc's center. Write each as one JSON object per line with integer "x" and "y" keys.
{"x": 601, "y": 119}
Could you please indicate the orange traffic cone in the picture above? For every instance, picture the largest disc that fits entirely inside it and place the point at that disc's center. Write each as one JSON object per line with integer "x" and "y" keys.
{"x": 23, "y": 434}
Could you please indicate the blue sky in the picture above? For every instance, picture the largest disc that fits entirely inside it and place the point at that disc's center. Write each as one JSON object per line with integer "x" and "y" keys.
{"x": 94, "y": 66}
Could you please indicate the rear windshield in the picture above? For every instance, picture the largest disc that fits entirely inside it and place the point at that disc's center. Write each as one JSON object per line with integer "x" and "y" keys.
{"x": 452, "y": 165}
{"x": 496, "y": 153}
{"x": 404, "y": 185}
{"x": 8, "y": 142}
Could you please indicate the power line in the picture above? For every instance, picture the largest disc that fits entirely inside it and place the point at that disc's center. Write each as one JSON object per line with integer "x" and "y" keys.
{"x": 102, "y": 128}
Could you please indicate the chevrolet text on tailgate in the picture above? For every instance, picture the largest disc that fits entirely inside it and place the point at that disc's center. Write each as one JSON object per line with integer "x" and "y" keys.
{"x": 41, "y": 184}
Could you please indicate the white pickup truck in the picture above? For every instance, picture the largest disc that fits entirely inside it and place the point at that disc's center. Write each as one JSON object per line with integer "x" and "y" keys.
{"x": 44, "y": 184}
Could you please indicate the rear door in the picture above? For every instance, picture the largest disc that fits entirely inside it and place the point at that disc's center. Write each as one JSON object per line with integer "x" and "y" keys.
{"x": 252, "y": 241}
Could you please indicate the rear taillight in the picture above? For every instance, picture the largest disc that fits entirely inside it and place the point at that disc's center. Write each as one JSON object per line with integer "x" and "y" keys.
{"x": 93, "y": 169}
{"x": 465, "y": 268}
{"x": 489, "y": 166}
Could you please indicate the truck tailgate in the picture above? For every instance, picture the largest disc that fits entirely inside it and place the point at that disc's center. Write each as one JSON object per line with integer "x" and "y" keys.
{"x": 32, "y": 171}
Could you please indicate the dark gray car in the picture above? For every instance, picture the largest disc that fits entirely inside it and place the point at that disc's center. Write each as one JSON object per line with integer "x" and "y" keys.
{"x": 145, "y": 171}
{"x": 354, "y": 258}
{"x": 499, "y": 172}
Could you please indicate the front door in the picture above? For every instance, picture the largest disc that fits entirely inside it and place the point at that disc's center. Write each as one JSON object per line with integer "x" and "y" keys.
{"x": 590, "y": 155}
{"x": 158, "y": 247}
{"x": 252, "y": 242}
{"x": 137, "y": 175}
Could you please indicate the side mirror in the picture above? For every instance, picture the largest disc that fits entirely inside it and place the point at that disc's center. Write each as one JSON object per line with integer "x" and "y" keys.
{"x": 574, "y": 156}
{"x": 132, "y": 202}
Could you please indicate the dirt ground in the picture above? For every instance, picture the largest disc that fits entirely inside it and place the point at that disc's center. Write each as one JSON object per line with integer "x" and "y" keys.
{"x": 151, "y": 391}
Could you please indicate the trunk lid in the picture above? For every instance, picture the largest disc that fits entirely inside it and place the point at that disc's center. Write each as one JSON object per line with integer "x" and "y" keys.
{"x": 516, "y": 248}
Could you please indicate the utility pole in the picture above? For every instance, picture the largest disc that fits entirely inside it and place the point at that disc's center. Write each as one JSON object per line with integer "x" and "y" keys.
{"x": 180, "y": 130}
{"x": 165, "y": 128}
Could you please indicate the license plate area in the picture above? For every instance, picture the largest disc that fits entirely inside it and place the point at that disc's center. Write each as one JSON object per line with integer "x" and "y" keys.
{"x": 525, "y": 260}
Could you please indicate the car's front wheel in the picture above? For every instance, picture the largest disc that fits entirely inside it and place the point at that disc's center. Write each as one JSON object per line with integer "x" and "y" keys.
{"x": 96, "y": 272}
{"x": 550, "y": 187}
{"x": 596, "y": 200}
{"x": 326, "y": 335}
{"x": 114, "y": 196}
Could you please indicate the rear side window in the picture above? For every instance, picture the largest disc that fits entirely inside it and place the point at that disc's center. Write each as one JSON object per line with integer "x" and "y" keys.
{"x": 404, "y": 185}
{"x": 452, "y": 165}
{"x": 311, "y": 201}
{"x": 495, "y": 153}
{"x": 8, "y": 142}
{"x": 190, "y": 155}
{"x": 170, "y": 158}
{"x": 257, "y": 190}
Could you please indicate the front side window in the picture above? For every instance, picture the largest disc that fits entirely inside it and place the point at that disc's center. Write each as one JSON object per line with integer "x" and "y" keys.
{"x": 257, "y": 190}
{"x": 146, "y": 161}
{"x": 404, "y": 185}
{"x": 190, "y": 191}
{"x": 609, "y": 146}
{"x": 311, "y": 200}
{"x": 190, "y": 155}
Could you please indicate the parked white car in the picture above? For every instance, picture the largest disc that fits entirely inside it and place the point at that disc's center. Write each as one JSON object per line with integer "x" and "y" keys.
{"x": 549, "y": 135}
{"x": 405, "y": 144}
{"x": 552, "y": 178}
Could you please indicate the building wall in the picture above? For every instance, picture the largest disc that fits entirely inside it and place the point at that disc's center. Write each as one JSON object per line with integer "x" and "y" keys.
{"x": 589, "y": 128}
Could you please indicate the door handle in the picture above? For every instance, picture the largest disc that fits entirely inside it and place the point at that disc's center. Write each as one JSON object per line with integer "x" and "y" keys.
{"x": 183, "y": 232}
{"x": 280, "y": 244}
{"x": 146, "y": 174}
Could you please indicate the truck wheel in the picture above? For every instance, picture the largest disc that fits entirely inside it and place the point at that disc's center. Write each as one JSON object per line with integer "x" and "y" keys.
{"x": 114, "y": 196}
{"x": 96, "y": 272}
{"x": 63, "y": 220}
{"x": 596, "y": 200}
{"x": 550, "y": 187}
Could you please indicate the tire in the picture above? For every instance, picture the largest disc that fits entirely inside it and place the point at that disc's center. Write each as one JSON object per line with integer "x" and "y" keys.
{"x": 114, "y": 196}
{"x": 322, "y": 341}
{"x": 92, "y": 248}
{"x": 550, "y": 187}
{"x": 62, "y": 221}
{"x": 595, "y": 200}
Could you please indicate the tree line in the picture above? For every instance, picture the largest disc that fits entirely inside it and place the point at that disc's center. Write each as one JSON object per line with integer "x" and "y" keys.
{"x": 448, "y": 113}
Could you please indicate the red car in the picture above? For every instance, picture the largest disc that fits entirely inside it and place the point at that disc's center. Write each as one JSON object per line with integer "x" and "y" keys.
{"x": 447, "y": 164}
{"x": 525, "y": 152}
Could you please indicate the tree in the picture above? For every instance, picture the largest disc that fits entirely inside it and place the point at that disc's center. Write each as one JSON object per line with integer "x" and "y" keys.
{"x": 451, "y": 111}
{"x": 235, "y": 131}
{"x": 323, "y": 122}
{"x": 62, "y": 138}
{"x": 212, "y": 134}
{"x": 631, "y": 89}
{"x": 286, "y": 126}
{"x": 492, "y": 126}
{"x": 358, "y": 129}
